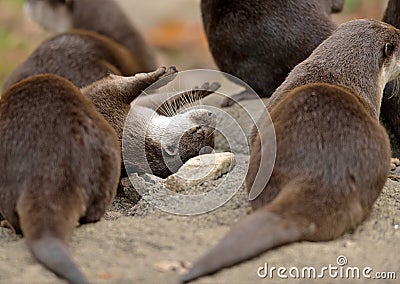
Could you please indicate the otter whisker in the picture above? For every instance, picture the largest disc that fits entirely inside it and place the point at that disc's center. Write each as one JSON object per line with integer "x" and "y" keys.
{"x": 395, "y": 89}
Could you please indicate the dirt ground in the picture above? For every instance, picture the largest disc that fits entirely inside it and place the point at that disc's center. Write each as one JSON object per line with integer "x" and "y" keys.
{"x": 140, "y": 244}
{"x": 137, "y": 243}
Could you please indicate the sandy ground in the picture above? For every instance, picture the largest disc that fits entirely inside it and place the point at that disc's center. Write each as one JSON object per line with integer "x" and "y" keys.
{"x": 137, "y": 243}
{"x": 132, "y": 249}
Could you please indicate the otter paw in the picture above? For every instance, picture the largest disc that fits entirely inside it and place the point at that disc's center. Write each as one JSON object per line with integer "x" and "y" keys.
{"x": 197, "y": 93}
{"x": 155, "y": 77}
{"x": 230, "y": 101}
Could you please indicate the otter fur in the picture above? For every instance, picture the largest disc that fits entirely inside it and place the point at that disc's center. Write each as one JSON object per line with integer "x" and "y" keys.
{"x": 325, "y": 116}
{"x": 184, "y": 134}
{"x": 80, "y": 56}
{"x": 59, "y": 166}
{"x": 105, "y": 17}
{"x": 261, "y": 41}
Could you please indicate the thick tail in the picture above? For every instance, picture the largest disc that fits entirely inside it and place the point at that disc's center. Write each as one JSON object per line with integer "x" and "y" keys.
{"x": 46, "y": 237}
{"x": 290, "y": 217}
{"x": 252, "y": 236}
{"x": 53, "y": 254}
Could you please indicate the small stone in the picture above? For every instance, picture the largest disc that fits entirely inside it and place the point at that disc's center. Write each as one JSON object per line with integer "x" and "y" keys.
{"x": 201, "y": 169}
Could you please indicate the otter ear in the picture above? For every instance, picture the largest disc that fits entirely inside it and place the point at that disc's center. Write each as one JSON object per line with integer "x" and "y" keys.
{"x": 389, "y": 49}
{"x": 171, "y": 148}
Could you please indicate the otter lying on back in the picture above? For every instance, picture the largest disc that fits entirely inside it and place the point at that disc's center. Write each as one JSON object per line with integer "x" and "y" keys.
{"x": 170, "y": 140}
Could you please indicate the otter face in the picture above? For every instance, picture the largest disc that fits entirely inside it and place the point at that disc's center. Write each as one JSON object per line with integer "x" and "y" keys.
{"x": 199, "y": 138}
{"x": 52, "y": 15}
{"x": 195, "y": 136}
{"x": 390, "y": 52}
{"x": 179, "y": 138}
{"x": 391, "y": 66}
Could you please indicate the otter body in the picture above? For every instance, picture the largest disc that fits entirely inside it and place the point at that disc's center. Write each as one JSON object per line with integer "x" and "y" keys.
{"x": 390, "y": 110}
{"x": 59, "y": 165}
{"x": 165, "y": 140}
{"x": 82, "y": 57}
{"x": 102, "y": 16}
{"x": 325, "y": 116}
{"x": 261, "y": 41}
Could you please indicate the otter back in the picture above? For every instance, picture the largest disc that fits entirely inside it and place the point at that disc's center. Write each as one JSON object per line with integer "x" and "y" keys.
{"x": 261, "y": 41}
{"x": 82, "y": 57}
{"x": 325, "y": 117}
{"x": 59, "y": 165}
{"x": 102, "y": 16}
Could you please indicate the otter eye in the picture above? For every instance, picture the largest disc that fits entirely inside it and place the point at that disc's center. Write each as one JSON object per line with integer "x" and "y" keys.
{"x": 389, "y": 49}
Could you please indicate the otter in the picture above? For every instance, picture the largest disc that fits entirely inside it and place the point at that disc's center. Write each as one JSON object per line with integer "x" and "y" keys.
{"x": 261, "y": 41}
{"x": 59, "y": 165}
{"x": 102, "y": 16}
{"x": 82, "y": 57}
{"x": 325, "y": 116}
{"x": 170, "y": 139}
{"x": 390, "y": 110}
{"x": 183, "y": 134}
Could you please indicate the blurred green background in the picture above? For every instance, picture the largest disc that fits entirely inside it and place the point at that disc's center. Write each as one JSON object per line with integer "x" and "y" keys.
{"x": 172, "y": 27}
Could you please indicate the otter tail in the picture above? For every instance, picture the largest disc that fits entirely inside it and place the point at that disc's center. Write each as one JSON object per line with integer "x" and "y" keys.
{"x": 46, "y": 238}
{"x": 254, "y": 235}
{"x": 53, "y": 254}
{"x": 285, "y": 220}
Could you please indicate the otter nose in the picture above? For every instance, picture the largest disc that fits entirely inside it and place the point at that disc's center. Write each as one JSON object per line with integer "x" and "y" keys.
{"x": 211, "y": 114}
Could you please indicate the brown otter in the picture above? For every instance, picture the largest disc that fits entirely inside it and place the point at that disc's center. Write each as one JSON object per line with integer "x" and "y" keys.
{"x": 171, "y": 138}
{"x": 261, "y": 41}
{"x": 59, "y": 165}
{"x": 82, "y": 57}
{"x": 325, "y": 116}
{"x": 390, "y": 110}
{"x": 102, "y": 16}
{"x": 169, "y": 141}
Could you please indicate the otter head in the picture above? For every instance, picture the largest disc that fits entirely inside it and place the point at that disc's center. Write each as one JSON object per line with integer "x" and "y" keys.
{"x": 196, "y": 131}
{"x": 382, "y": 49}
{"x": 362, "y": 55}
{"x": 52, "y": 15}
{"x": 391, "y": 57}
{"x": 177, "y": 139}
